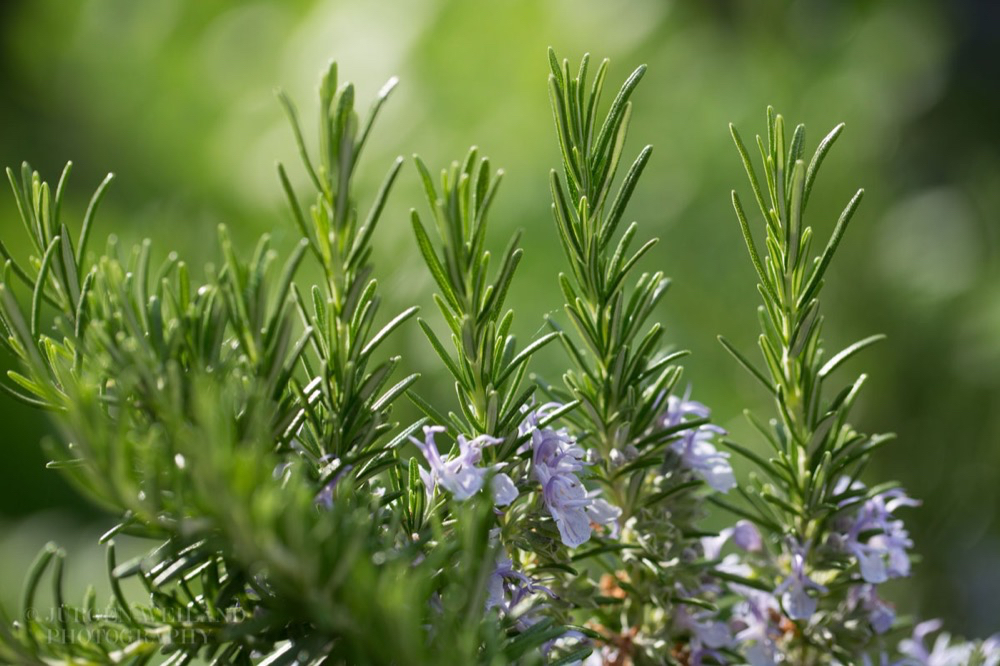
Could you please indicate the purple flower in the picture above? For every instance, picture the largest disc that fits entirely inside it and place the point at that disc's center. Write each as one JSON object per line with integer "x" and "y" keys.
{"x": 794, "y": 589}
{"x": 556, "y": 451}
{"x": 603, "y": 513}
{"x": 533, "y": 416}
{"x": 567, "y": 501}
{"x": 507, "y": 583}
{"x": 679, "y": 409}
{"x": 459, "y": 475}
{"x": 881, "y": 555}
{"x": 944, "y": 653}
{"x": 695, "y": 448}
{"x": 556, "y": 459}
{"x": 880, "y": 614}
{"x": 733, "y": 564}
{"x": 708, "y": 635}
{"x": 504, "y": 490}
{"x": 744, "y": 534}
{"x": 747, "y": 537}
{"x": 991, "y": 650}
{"x": 752, "y": 620}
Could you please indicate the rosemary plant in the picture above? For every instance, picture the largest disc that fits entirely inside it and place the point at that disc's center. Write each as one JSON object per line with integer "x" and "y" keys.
{"x": 253, "y": 458}
{"x": 652, "y": 454}
{"x": 490, "y": 430}
{"x": 240, "y": 427}
{"x": 809, "y": 588}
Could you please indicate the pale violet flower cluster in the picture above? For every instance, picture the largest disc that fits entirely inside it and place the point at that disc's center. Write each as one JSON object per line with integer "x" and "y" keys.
{"x": 875, "y": 537}
{"x": 695, "y": 447}
{"x": 556, "y": 462}
{"x": 461, "y": 475}
{"x": 708, "y": 635}
{"x": 755, "y": 627}
{"x": 879, "y": 542}
{"x": 867, "y": 533}
{"x": 865, "y": 598}
{"x": 760, "y": 621}
{"x": 943, "y": 652}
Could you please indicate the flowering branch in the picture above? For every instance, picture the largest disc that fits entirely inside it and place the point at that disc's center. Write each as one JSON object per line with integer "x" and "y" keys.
{"x": 831, "y": 539}
{"x": 650, "y": 449}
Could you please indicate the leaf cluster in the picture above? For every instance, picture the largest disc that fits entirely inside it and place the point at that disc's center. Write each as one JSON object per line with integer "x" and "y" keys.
{"x": 344, "y": 405}
{"x": 243, "y": 430}
{"x": 621, "y": 377}
{"x": 812, "y": 441}
{"x": 487, "y": 366}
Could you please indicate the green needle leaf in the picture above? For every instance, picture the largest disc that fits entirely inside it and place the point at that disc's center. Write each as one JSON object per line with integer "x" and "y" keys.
{"x": 36, "y": 297}
{"x": 750, "y": 367}
{"x": 88, "y": 217}
{"x": 817, "y": 160}
{"x": 838, "y": 232}
{"x": 847, "y": 353}
{"x": 524, "y": 355}
{"x": 752, "y": 248}
{"x": 624, "y": 195}
{"x": 433, "y": 263}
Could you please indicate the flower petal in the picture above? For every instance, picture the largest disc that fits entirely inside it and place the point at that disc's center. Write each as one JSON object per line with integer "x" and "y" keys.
{"x": 504, "y": 490}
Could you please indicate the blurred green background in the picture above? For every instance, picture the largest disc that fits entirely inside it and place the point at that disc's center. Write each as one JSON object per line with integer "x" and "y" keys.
{"x": 176, "y": 98}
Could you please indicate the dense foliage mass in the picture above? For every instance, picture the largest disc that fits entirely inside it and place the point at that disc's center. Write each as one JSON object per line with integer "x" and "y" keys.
{"x": 242, "y": 426}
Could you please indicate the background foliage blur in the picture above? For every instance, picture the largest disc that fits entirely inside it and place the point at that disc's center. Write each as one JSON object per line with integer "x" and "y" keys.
{"x": 176, "y": 98}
